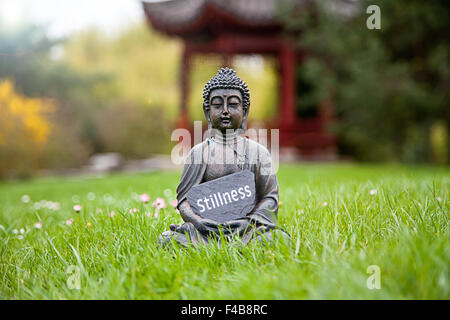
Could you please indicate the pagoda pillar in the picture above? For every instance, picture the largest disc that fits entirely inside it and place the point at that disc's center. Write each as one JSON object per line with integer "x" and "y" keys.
{"x": 185, "y": 75}
{"x": 288, "y": 95}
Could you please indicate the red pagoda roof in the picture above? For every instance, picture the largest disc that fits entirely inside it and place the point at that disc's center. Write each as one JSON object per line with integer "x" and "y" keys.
{"x": 194, "y": 17}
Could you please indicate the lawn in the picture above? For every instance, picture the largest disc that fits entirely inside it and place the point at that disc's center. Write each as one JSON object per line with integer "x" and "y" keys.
{"x": 343, "y": 219}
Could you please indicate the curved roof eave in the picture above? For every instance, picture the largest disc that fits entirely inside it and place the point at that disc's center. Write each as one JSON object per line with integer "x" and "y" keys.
{"x": 190, "y": 17}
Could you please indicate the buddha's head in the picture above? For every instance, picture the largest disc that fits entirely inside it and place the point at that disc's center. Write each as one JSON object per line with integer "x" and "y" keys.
{"x": 226, "y": 101}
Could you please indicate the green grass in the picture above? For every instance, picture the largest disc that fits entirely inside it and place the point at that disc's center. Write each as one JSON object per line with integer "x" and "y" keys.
{"x": 403, "y": 229}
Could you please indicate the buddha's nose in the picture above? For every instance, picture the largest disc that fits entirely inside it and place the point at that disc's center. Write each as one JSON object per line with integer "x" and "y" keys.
{"x": 225, "y": 109}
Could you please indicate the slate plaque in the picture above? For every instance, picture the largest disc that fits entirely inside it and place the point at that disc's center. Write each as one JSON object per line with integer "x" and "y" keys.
{"x": 226, "y": 198}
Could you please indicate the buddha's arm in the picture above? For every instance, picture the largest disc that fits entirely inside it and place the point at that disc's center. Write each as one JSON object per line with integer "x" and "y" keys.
{"x": 265, "y": 211}
{"x": 187, "y": 214}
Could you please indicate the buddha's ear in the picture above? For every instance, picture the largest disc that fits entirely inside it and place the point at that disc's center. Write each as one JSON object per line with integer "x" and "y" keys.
{"x": 244, "y": 119}
{"x": 208, "y": 119}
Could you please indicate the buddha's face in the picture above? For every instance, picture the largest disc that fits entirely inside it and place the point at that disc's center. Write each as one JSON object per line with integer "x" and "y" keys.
{"x": 226, "y": 110}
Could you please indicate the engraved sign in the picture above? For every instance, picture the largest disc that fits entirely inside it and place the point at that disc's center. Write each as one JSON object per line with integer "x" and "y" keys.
{"x": 227, "y": 198}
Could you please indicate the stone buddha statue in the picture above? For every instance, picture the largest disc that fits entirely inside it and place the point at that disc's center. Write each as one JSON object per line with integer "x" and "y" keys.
{"x": 226, "y": 103}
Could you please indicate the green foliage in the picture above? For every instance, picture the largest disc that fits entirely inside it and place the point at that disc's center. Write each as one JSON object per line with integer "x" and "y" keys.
{"x": 132, "y": 131}
{"x": 390, "y": 86}
{"x": 143, "y": 64}
{"x": 342, "y": 218}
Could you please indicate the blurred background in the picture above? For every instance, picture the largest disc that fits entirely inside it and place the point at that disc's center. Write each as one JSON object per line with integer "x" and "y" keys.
{"x": 100, "y": 85}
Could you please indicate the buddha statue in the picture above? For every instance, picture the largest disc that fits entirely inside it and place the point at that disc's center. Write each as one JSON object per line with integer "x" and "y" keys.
{"x": 226, "y": 103}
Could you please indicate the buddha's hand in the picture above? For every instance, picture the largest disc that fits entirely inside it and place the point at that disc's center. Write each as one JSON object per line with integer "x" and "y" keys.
{"x": 239, "y": 227}
{"x": 206, "y": 226}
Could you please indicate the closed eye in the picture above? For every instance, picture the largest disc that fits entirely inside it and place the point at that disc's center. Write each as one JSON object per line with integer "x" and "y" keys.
{"x": 216, "y": 101}
{"x": 234, "y": 101}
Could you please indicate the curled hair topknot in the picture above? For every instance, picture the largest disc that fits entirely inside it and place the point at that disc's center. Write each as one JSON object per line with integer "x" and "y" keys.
{"x": 226, "y": 78}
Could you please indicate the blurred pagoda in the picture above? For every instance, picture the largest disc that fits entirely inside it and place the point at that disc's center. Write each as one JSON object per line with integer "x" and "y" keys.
{"x": 230, "y": 27}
